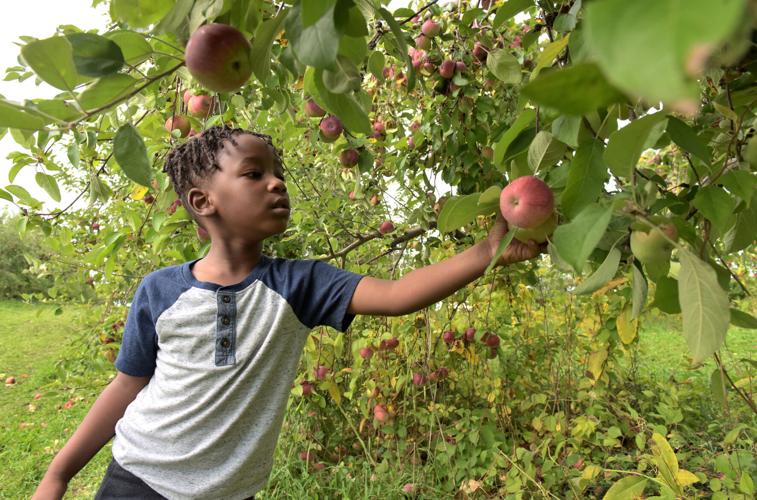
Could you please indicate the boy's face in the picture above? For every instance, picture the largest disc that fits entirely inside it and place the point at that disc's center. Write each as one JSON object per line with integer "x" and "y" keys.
{"x": 248, "y": 191}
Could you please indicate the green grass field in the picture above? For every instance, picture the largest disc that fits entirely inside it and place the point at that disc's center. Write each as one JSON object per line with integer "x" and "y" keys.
{"x": 56, "y": 384}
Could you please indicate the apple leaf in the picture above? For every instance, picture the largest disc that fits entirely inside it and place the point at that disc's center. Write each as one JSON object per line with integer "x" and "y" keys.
{"x": 548, "y": 55}
{"x": 716, "y": 205}
{"x": 261, "y": 46}
{"x": 544, "y": 151}
{"x": 504, "y": 66}
{"x": 457, "y": 212}
{"x": 345, "y": 106}
{"x": 741, "y": 183}
{"x": 315, "y": 45}
{"x": 134, "y": 47}
{"x": 602, "y": 275}
{"x": 343, "y": 77}
{"x": 743, "y": 320}
{"x": 140, "y": 13}
{"x": 626, "y": 145}
{"x": 489, "y": 199}
{"x": 106, "y": 90}
{"x": 95, "y": 55}
{"x": 5, "y": 195}
{"x": 627, "y": 327}
{"x": 566, "y": 129}
{"x": 587, "y": 175}
{"x": 590, "y": 224}
{"x": 401, "y": 45}
{"x": 557, "y": 90}
{"x": 509, "y": 9}
{"x": 643, "y": 46}
{"x": 704, "y": 305}
{"x": 666, "y": 295}
{"x": 49, "y": 184}
{"x": 503, "y": 244}
{"x": 687, "y": 139}
{"x": 313, "y": 10}
{"x": 16, "y": 116}
{"x": 52, "y": 60}
{"x": 665, "y": 459}
{"x": 628, "y": 487}
{"x": 131, "y": 155}
{"x": 376, "y": 63}
{"x": 524, "y": 120}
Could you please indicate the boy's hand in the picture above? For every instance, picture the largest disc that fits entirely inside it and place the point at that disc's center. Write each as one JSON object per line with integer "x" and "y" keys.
{"x": 516, "y": 251}
{"x": 50, "y": 488}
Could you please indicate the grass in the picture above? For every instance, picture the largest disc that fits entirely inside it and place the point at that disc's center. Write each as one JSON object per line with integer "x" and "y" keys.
{"x": 53, "y": 367}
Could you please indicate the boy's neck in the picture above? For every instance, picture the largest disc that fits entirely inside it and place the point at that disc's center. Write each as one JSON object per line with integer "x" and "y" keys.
{"x": 227, "y": 265}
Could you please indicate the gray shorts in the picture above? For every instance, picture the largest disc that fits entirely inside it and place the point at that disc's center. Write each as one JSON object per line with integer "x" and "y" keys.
{"x": 120, "y": 484}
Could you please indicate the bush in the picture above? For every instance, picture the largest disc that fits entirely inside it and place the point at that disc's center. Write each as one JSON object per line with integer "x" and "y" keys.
{"x": 16, "y": 277}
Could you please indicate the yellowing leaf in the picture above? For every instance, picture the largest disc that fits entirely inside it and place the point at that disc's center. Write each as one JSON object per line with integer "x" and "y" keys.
{"x": 665, "y": 459}
{"x": 627, "y": 327}
{"x": 686, "y": 478}
{"x": 138, "y": 192}
{"x": 590, "y": 472}
{"x": 597, "y": 362}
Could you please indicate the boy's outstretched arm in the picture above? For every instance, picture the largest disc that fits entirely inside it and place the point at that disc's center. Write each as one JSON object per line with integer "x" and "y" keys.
{"x": 427, "y": 285}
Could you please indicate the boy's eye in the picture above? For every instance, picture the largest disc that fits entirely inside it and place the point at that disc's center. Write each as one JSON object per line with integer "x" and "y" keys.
{"x": 254, "y": 175}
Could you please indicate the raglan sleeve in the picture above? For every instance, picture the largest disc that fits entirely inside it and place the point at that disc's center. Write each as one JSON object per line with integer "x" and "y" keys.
{"x": 325, "y": 295}
{"x": 139, "y": 345}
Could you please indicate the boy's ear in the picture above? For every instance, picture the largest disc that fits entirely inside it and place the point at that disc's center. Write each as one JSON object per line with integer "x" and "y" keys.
{"x": 199, "y": 202}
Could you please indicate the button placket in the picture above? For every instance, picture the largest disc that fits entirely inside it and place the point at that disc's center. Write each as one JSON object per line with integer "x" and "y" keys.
{"x": 225, "y": 329}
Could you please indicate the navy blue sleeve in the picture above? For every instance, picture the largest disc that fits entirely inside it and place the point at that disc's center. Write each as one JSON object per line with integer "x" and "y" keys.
{"x": 139, "y": 346}
{"x": 322, "y": 294}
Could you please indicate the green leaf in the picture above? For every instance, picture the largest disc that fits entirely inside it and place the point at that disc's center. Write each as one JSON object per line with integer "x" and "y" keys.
{"x": 504, "y": 66}
{"x": 740, "y": 183}
{"x": 602, "y": 275}
{"x": 643, "y": 46}
{"x": 548, "y": 55}
{"x": 134, "y": 47}
{"x": 717, "y": 387}
{"x": 509, "y": 9}
{"x": 524, "y": 120}
{"x": 313, "y": 10}
{"x": 503, "y": 244}
{"x": 627, "y": 144}
{"x": 587, "y": 175}
{"x": 666, "y": 295}
{"x": 57, "y": 109}
{"x": 704, "y": 305}
{"x": 544, "y": 151}
{"x": 566, "y": 129}
{"x": 743, "y": 320}
{"x": 13, "y": 115}
{"x": 343, "y": 78}
{"x": 49, "y": 184}
{"x": 315, "y": 45}
{"x": 22, "y": 194}
{"x": 5, "y": 195}
{"x": 261, "y": 46}
{"x": 575, "y": 90}
{"x": 106, "y": 90}
{"x": 354, "y": 48}
{"x": 715, "y": 204}
{"x": 686, "y": 138}
{"x": 353, "y": 116}
{"x": 176, "y": 21}
{"x": 457, "y": 212}
{"x": 628, "y": 488}
{"x": 591, "y": 224}
{"x": 376, "y": 64}
{"x": 131, "y": 155}
{"x": 140, "y": 13}
{"x": 95, "y": 55}
{"x": 53, "y": 61}
{"x": 639, "y": 291}
{"x": 665, "y": 459}
{"x": 489, "y": 199}
{"x": 352, "y": 22}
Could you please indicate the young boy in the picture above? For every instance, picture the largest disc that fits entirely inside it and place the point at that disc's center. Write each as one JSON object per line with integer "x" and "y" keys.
{"x": 211, "y": 347}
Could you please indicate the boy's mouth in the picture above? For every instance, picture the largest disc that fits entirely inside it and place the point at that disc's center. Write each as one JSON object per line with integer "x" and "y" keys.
{"x": 281, "y": 203}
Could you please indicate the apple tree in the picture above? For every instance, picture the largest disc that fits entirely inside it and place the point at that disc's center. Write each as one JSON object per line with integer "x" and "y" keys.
{"x": 400, "y": 129}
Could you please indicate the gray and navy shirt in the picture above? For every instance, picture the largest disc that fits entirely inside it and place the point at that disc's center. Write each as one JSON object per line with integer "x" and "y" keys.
{"x": 222, "y": 360}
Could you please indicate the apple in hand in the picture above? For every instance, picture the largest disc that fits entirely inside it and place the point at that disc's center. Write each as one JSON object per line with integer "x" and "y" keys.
{"x": 218, "y": 56}
{"x": 526, "y": 202}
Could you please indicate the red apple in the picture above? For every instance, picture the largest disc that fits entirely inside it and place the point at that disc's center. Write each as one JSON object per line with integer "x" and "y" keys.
{"x": 218, "y": 56}
{"x": 10, "y": 380}
{"x": 470, "y": 334}
{"x": 307, "y": 387}
{"x": 366, "y": 352}
{"x": 429, "y": 67}
{"x": 449, "y": 337}
{"x": 375, "y": 200}
{"x": 380, "y": 413}
{"x": 148, "y": 199}
{"x": 526, "y": 202}
{"x": 187, "y": 96}
{"x": 379, "y": 130}
{"x": 418, "y": 378}
{"x": 408, "y": 488}
{"x": 490, "y": 339}
{"x": 331, "y": 128}
{"x": 351, "y": 195}
{"x": 321, "y": 372}
{"x": 313, "y": 109}
{"x": 200, "y": 105}
{"x": 178, "y": 122}
{"x": 460, "y": 67}
{"x": 415, "y": 125}
{"x": 442, "y": 373}
{"x": 306, "y": 456}
{"x": 422, "y": 42}
{"x": 430, "y": 28}
{"x": 479, "y": 52}
{"x": 95, "y": 226}
{"x": 349, "y": 157}
{"x": 386, "y": 227}
{"x": 447, "y": 69}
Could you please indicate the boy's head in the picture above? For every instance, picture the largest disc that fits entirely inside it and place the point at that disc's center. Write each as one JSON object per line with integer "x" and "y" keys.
{"x": 225, "y": 174}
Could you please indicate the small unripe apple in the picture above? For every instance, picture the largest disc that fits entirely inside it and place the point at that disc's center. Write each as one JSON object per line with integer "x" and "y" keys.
{"x": 200, "y": 105}
{"x": 307, "y": 387}
{"x": 418, "y": 378}
{"x": 447, "y": 69}
{"x": 218, "y": 56}
{"x": 430, "y": 28}
{"x": 380, "y": 413}
{"x": 313, "y": 109}
{"x": 366, "y": 352}
{"x": 653, "y": 249}
{"x": 178, "y": 122}
{"x": 539, "y": 233}
{"x": 349, "y": 157}
{"x": 330, "y": 128}
{"x": 379, "y": 129}
{"x": 375, "y": 200}
{"x": 386, "y": 227}
{"x": 448, "y": 337}
{"x": 418, "y": 58}
{"x": 423, "y": 42}
{"x": 526, "y": 202}
{"x": 321, "y": 372}
{"x": 95, "y": 226}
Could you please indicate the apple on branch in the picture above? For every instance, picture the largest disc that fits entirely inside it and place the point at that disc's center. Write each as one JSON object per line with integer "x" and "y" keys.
{"x": 219, "y": 57}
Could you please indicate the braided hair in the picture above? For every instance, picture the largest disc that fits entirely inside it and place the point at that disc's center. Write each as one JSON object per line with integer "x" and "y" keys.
{"x": 196, "y": 159}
